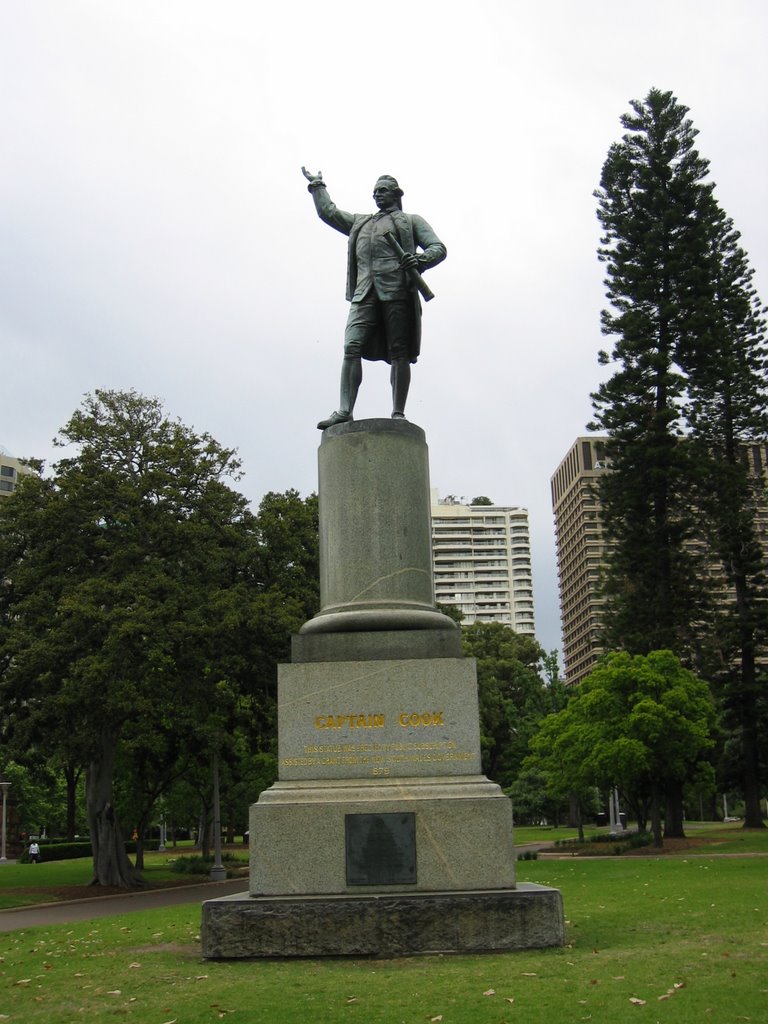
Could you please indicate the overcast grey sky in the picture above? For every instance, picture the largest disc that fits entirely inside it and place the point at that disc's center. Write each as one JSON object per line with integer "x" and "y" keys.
{"x": 156, "y": 232}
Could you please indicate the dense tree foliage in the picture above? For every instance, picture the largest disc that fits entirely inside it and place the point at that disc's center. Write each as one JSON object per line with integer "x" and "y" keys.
{"x": 512, "y": 695}
{"x": 688, "y": 395}
{"x": 642, "y": 723}
{"x": 141, "y": 600}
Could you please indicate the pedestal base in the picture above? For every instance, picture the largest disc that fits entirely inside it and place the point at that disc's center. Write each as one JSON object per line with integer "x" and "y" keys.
{"x": 462, "y": 837}
{"x": 246, "y": 927}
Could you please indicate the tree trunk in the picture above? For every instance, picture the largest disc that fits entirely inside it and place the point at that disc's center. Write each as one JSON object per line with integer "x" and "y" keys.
{"x": 658, "y": 839}
{"x": 574, "y": 810}
{"x": 111, "y": 865}
{"x": 204, "y": 833}
{"x": 71, "y": 778}
{"x": 748, "y": 713}
{"x": 673, "y": 814}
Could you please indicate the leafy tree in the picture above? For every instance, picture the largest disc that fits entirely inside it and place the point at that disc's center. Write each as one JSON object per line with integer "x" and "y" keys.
{"x": 452, "y": 611}
{"x": 481, "y": 500}
{"x": 511, "y": 694}
{"x": 641, "y": 722}
{"x": 533, "y": 802}
{"x": 114, "y": 570}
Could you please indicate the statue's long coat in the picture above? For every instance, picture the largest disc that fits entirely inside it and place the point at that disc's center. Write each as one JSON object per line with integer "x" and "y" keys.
{"x": 413, "y": 233}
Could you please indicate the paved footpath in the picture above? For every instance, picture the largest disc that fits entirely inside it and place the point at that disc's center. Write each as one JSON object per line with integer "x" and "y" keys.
{"x": 46, "y": 914}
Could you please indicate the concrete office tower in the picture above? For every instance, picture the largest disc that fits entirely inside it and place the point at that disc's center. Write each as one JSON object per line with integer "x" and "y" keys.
{"x": 581, "y": 547}
{"x": 482, "y": 562}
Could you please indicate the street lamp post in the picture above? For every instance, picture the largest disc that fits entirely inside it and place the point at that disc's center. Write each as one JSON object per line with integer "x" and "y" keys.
{"x": 218, "y": 871}
{"x": 3, "y": 858}
{"x": 162, "y": 847}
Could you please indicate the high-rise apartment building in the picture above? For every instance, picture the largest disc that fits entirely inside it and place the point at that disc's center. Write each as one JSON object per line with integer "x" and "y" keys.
{"x": 581, "y": 547}
{"x": 10, "y": 471}
{"x": 482, "y": 562}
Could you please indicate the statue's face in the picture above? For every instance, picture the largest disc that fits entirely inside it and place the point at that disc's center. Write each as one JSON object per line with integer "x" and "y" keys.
{"x": 384, "y": 195}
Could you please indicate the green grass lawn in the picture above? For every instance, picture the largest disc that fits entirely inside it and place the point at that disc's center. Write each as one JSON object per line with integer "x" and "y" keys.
{"x": 548, "y": 834}
{"x": 60, "y": 873}
{"x": 670, "y": 940}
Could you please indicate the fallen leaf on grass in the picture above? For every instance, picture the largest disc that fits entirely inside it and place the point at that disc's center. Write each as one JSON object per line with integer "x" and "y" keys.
{"x": 530, "y": 974}
{"x": 130, "y": 966}
{"x": 437, "y": 1019}
{"x": 510, "y": 999}
{"x": 636, "y": 1001}
{"x": 115, "y": 992}
{"x": 490, "y": 992}
{"x": 352, "y": 999}
{"x": 24, "y": 981}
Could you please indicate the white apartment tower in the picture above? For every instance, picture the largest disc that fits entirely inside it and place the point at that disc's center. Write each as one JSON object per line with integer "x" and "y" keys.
{"x": 482, "y": 562}
{"x": 10, "y": 471}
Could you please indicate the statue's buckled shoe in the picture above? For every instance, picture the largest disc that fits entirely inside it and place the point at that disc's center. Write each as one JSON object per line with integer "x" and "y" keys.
{"x": 333, "y": 419}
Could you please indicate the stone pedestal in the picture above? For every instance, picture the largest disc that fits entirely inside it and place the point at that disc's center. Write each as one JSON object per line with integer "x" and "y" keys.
{"x": 375, "y": 531}
{"x": 381, "y": 836}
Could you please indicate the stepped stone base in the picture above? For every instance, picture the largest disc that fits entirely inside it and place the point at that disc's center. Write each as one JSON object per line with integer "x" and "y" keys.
{"x": 247, "y": 927}
{"x": 462, "y": 839}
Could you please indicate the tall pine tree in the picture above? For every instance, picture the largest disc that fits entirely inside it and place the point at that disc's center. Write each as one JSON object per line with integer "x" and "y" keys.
{"x": 688, "y": 394}
{"x": 654, "y": 241}
{"x": 727, "y": 415}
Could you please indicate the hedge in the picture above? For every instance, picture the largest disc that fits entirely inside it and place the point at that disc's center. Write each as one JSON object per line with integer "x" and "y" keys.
{"x": 50, "y": 850}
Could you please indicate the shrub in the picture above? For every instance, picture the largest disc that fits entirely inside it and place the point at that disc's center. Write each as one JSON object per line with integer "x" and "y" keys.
{"x": 199, "y": 865}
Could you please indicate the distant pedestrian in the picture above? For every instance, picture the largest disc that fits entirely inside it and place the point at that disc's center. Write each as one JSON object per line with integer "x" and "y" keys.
{"x": 34, "y": 852}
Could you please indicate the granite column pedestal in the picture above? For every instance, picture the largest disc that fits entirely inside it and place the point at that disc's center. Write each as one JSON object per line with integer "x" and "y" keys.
{"x": 382, "y": 835}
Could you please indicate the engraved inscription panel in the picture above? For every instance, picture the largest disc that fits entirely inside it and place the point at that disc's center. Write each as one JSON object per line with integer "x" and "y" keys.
{"x": 378, "y": 720}
{"x": 380, "y": 848}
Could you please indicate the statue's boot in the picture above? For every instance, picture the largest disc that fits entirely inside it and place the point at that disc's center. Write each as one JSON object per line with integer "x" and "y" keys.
{"x": 351, "y": 377}
{"x": 400, "y": 378}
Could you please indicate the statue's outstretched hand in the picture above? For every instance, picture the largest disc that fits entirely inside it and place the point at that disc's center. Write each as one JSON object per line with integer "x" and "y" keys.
{"x": 312, "y": 178}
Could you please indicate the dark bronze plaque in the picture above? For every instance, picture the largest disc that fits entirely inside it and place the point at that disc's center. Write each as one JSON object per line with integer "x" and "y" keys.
{"x": 381, "y": 849}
